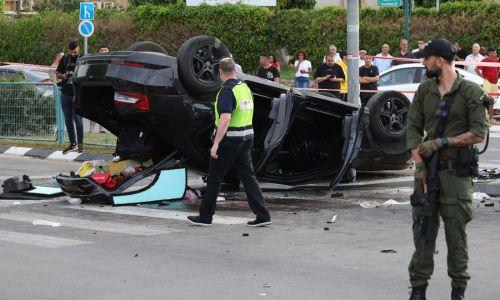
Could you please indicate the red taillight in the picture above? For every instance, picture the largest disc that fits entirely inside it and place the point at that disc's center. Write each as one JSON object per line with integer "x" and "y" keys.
{"x": 132, "y": 100}
{"x": 129, "y": 64}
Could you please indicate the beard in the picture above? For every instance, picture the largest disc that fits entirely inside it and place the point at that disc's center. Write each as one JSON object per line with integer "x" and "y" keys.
{"x": 433, "y": 73}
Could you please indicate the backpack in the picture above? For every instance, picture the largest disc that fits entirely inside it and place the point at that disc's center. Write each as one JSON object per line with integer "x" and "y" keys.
{"x": 135, "y": 142}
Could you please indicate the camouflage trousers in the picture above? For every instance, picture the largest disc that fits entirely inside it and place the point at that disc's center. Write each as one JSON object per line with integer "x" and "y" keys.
{"x": 455, "y": 209}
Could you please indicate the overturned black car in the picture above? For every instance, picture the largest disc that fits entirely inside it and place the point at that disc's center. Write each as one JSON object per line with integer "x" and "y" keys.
{"x": 299, "y": 135}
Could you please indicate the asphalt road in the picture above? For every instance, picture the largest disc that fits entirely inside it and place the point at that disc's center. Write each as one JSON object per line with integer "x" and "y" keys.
{"x": 149, "y": 252}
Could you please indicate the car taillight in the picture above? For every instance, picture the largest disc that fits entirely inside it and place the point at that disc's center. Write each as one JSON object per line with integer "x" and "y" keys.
{"x": 132, "y": 100}
{"x": 129, "y": 64}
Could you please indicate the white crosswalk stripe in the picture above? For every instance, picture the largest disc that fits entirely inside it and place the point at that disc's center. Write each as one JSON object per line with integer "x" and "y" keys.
{"x": 157, "y": 213}
{"x": 94, "y": 225}
{"x": 39, "y": 240}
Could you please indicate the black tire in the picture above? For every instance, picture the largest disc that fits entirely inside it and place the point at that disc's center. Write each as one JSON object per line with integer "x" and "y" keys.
{"x": 148, "y": 47}
{"x": 198, "y": 63}
{"x": 388, "y": 115}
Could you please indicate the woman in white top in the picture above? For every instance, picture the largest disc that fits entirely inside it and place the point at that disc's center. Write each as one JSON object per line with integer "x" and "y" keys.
{"x": 302, "y": 69}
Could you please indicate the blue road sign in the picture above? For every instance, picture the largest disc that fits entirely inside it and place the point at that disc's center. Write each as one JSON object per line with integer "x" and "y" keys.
{"x": 86, "y": 28}
{"x": 86, "y": 11}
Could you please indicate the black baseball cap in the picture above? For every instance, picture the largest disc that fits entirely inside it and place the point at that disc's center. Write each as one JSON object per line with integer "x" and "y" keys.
{"x": 438, "y": 47}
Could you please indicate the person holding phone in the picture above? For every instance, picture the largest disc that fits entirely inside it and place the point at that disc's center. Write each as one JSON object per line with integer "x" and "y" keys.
{"x": 329, "y": 76}
{"x": 302, "y": 69}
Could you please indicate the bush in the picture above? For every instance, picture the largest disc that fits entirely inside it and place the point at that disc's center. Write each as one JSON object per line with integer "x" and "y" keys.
{"x": 245, "y": 36}
{"x": 247, "y": 30}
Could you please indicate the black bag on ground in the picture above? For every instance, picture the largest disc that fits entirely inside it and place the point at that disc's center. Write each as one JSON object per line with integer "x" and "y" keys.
{"x": 136, "y": 143}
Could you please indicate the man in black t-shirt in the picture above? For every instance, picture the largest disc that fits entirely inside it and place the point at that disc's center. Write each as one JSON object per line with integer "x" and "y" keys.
{"x": 266, "y": 70}
{"x": 65, "y": 71}
{"x": 329, "y": 75}
{"x": 403, "y": 53}
{"x": 368, "y": 78}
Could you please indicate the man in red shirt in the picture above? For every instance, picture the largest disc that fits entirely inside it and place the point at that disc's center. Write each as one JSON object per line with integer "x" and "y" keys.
{"x": 490, "y": 76}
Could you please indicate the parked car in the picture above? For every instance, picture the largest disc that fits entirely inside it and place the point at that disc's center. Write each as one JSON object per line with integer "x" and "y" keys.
{"x": 299, "y": 135}
{"x": 29, "y": 73}
{"x": 407, "y": 77}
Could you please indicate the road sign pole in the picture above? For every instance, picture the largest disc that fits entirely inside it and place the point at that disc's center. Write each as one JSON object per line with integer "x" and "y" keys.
{"x": 406, "y": 8}
{"x": 353, "y": 51}
{"x": 85, "y": 42}
{"x": 85, "y": 46}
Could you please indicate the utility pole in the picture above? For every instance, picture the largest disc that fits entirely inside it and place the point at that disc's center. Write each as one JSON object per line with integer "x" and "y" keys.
{"x": 353, "y": 51}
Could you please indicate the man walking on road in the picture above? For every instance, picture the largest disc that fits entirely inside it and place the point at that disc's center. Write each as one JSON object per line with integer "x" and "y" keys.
{"x": 232, "y": 147}
{"x": 452, "y": 113}
{"x": 65, "y": 71}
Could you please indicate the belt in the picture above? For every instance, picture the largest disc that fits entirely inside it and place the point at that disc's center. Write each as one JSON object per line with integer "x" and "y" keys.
{"x": 447, "y": 165}
{"x": 240, "y": 133}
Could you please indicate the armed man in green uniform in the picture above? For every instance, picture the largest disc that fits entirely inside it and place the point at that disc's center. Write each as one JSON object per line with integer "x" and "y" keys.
{"x": 465, "y": 123}
{"x": 232, "y": 147}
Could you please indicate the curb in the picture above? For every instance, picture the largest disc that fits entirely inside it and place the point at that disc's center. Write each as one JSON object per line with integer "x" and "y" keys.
{"x": 53, "y": 155}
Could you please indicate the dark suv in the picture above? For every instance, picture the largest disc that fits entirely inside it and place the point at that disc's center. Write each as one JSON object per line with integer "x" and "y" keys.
{"x": 299, "y": 135}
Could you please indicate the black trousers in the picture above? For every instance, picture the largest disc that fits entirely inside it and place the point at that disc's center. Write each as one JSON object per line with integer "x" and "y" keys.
{"x": 237, "y": 155}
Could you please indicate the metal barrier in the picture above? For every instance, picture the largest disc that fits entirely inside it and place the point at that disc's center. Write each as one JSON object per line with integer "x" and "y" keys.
{"x": 30, "y": 111}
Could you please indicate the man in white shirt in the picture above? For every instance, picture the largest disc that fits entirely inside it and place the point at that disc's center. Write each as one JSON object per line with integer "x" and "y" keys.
{"x": 381, "y": 63}
{"x": 332, "y": 50}
{"x": 474, "y": 57}
{"x": 362, "y": 54}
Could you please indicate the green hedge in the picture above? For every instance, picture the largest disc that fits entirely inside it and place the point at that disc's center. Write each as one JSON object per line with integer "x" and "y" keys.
{"x": 247, "y": 30}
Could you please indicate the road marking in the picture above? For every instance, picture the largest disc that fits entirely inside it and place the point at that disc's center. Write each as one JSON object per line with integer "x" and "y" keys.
{"x": 38, "y": 240}
{"x": 157, "y": 213}
{"x": 87, "y": 224}
{"x": 495, "y": 128}
{"x": 488, "y": 166}
{"x": 70, "y": 156}
{"x": 17, "y": 150}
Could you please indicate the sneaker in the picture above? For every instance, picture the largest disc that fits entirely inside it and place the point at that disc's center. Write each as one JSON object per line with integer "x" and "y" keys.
{"x": 81, "y": 149}
{"x": 259, "y": 223}
{"x": 197, "y": 221}
{"x": 71, "y": 147}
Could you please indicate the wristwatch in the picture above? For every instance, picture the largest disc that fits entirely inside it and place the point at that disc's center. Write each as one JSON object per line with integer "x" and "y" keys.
{"x": 445, "y": 141}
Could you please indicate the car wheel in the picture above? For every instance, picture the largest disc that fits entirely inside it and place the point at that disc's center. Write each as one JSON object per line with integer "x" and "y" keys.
{"x": 198, "y": 63}
{"x": 148, "y": 47}
{"x": 388, "y": 115}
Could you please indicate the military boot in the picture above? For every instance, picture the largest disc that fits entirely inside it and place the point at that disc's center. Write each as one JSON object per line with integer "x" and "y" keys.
{"x": 418, "y": 293}
{"x": 457, "y": 293}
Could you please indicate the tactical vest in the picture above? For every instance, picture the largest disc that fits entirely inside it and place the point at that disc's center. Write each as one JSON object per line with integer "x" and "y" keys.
{"x": 240, "y": 126}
